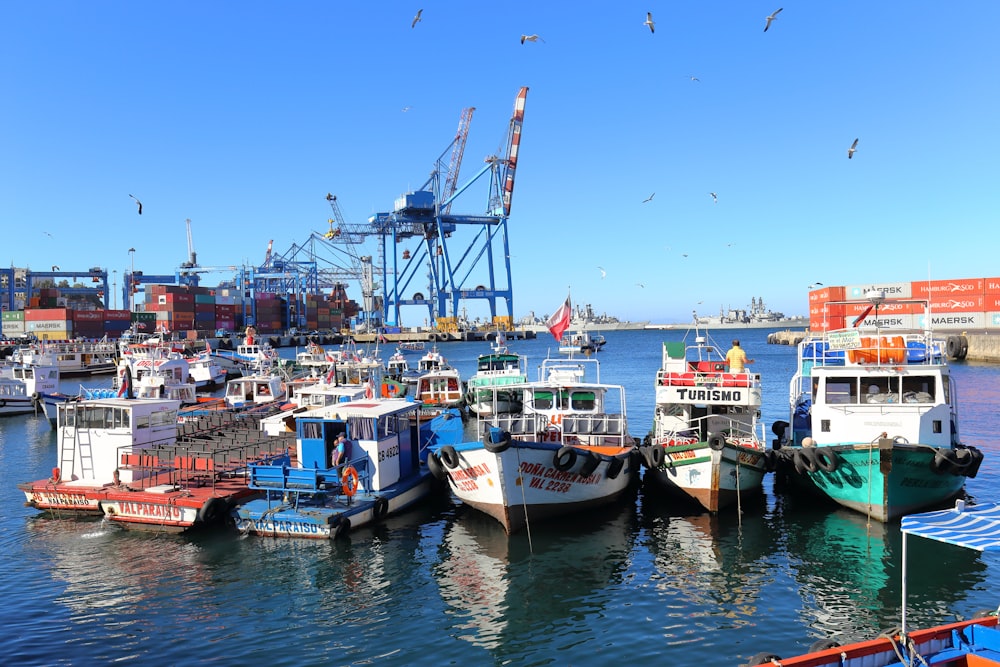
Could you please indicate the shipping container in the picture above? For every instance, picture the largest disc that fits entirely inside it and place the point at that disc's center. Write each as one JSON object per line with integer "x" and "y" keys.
{"x": 117, "y": 315}
{"x": 828, "y": 324}
{"x": 951, "y": 321}
{"x": 991, "y": 285}
{"x": 88, "y": 316}
{"x": 13, "y": 328}
{"x": 959, "y": 287}
{"x": 13, "y": 316}
{"x": 887, "y": 308}
{"x": 896, "y": 322}
{"x": 48, "y": 325}
{"x": 48, "y": 314}
{"x": 958, "y": 303}
{"x": 818, "y": 310}
{"x": 890, "y": 290}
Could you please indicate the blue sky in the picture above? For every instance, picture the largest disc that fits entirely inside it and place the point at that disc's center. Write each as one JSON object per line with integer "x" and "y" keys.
{"x": 241, "y": 117}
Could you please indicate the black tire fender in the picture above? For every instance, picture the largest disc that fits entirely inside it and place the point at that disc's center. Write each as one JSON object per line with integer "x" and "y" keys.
{"x": 564, "y": 459}
{"x": 805, "y": 458}
{"x": 381, "y": 508}
{"x": 717, "y": 442}
{"x": 340, "y": 525}
{"x": 656, "y": 456}
{"x": 590, "y": 463}
{"x": 778, "y": 428}
{"x": 615, "y": 467}
{"x": 763, "y": 658}
{"x": 953, "y": 346}
{"x": 449, "y": 456}
{"x": 436, "y": 467}
{"x": 496, "y": 447}
{"x": 943, "y": 461}
{"x": 827, "y": 459}
{"x": 823, "y": 645}
{"x": 213, "y": 512}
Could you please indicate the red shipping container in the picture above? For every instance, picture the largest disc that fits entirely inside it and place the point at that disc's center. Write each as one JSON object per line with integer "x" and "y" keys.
{"x": 88, "y": 316}
{"x": 957, "y": 303}
{"x": 991, "y": 285}
{"x": 204, "y": 308}
{"x": 960, "y": 287}
{"x": 117, "y": 315}
{"x": 830, "y": 324}
{"x": 825, "y": 294}
{"x": 818, "y": 310}
{"x": 178, "y": 298}
{"x": 888, "y": 308}
{"x": 48, "y": 314}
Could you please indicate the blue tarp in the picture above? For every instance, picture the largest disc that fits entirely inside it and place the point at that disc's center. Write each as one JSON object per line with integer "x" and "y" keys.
{"x": 973, "y": 526}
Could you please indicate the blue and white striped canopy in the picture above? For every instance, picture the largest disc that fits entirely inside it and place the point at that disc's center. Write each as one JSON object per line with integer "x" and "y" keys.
{"x": 973, "y": 526}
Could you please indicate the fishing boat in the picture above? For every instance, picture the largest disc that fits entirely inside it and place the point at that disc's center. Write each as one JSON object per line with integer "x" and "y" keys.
{"x": 499, "y": 369}
{"x": 396, "y": 368}
{"x": 581, "y": 342}
{"x": 439, "y": 390}
{"x": 83, "y": 357}
{"x": 567, "y": 451}
{"x": 206, "y": 371}
{"x": 157, "y": 377}
{"x": 258, "y": 388}
{"x": 122, "y": 459}
{"x": 411, "y": 347}
{"x": 969, "y": 643}
{"x": 24, "y": 386}
{"x": 873, "y": 421}
{"x": 706, "y": 441}
{"x": 316, "y": 395}
{"x": 385, "y": 472}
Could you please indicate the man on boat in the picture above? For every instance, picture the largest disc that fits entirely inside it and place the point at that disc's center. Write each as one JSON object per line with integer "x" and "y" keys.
{"x": 339, "y": 456}
{"x": 737, "y": 358}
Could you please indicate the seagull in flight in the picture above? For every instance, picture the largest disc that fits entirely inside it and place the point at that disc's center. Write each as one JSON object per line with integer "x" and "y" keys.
{"x": 850, "y": 151}
{"x": 694, "y": 78}
{"x": 770, "y": 18}
{"x": 814, "y": 285}
{"x": 640, "y": 285}
{"x": 715, "y": 197}
{"x": 531, "y": 38}
{"x": 406, "y": 108}
{"x": 138, "y": 203}
{"x": 684, "y": 254}
{"x": 55, "y": 267}
{"x": 417, "y": 19}
{"x": 649, "y": 21}
{"x": 603, "y": 272}
{"x": 49, "y": 234}
{"x": 649, "y": 198}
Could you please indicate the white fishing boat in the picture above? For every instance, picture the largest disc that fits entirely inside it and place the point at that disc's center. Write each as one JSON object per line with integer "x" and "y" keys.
{"x": 569, "y": 450}
{"x": 24, "y": 386}
{"x": 494, "y": 387}
{"x": 706, "y": 440}
{"x": 581, "y": 342}
{"x": 83, "y": 357}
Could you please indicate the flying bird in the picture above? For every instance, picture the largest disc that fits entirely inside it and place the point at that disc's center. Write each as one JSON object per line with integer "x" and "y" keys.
{"x": 815, "y": 285}
{"x": 770, "y": 18}
{"x": 138, "y": 203}
{"x": 684, "y": 255}
{"x": 531, "y": 38}
{"x": 417, "y": 19}
{"x": 407, "y": 108}
{"x": 715, "y": 197}
{"x": 55, "y": 267}
{"x": 640, "y": 285}
{"x": 48, "y": 234}
{"x": 649, "y": 21}
{"x": 649, "y": 198}
{"x": 850, "y": 151}
{"x": 603, "y": 272}
{"x": 694, "y": 78}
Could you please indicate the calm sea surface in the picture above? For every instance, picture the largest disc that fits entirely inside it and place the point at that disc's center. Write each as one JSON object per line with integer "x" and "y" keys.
{"x": 645, "y": 580}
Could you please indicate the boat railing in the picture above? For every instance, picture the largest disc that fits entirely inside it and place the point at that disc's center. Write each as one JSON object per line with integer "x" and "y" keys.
{"x": 702, "y": 378}
{"x": 734, "y": 431}
{"x": 278, "y": 480}
{"x": 878, "y": 348}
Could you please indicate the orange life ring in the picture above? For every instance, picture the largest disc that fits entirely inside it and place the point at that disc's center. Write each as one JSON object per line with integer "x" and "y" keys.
{"x": 349, "y": 481}
{"x": 555, "y": 419}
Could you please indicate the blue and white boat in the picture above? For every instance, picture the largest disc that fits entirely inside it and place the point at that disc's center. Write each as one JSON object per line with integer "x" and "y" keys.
{"x": 973, "y": 642}
{"x": 386, "y": 470}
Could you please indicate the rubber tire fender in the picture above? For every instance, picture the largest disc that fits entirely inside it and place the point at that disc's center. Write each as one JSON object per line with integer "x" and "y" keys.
{"x": 564, "y": 459}
{"x": 823, "y": 645}
{"x": 436, "y": 467}
{"x": 943, "y": 461}
{"x": 778, "y": 428}
{"x": 449, "y": 456}
{"x": 657, "y": 456}
{"x": 763, "y": 658}
{"x": 615, "y": 467}
{"x": 953, "y": 346}
{"x": 496, "y": 447}
{"x": 213, "y": 512}
{"x": 805, "y": 457}
{"x": 717, "y": 442}
{"x": 381, "y": 508}
{"x": 827, "y": 459}
{"x": 590, "y": 463}
{"x": 341, "y": 525}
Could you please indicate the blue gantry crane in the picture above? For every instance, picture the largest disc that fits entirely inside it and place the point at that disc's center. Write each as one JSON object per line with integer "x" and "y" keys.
{"x": 473, "y": 263}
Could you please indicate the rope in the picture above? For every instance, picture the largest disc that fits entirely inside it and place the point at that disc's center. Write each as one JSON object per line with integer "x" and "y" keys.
{"x": 524, "y": 501}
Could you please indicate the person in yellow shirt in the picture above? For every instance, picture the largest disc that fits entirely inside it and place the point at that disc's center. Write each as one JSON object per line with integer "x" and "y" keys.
{"x": 737, "y": 358}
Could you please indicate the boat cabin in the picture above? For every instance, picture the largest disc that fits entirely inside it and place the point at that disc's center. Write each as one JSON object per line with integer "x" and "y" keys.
{"x": 254, "y": 389}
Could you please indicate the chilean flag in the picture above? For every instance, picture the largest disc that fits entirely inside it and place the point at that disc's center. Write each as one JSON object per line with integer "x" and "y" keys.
{"x": 559, "y": 321}
{"x": 125, "y": 386}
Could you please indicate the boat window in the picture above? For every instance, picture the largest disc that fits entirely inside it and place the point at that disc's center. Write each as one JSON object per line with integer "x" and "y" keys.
{"x": 946, "y": 389}
{"x": 387, "y": 425}
{"x": 841, "y": 390}
{"x": 880, "y": 389}
{"x": 543, "y": 400}
{"x": 583, "y": 400}
{"x": 312, "y": 430}
{"x": 918, "y": 389}
{"x": 142, "y": 421}
{"x": 163, "y": 417}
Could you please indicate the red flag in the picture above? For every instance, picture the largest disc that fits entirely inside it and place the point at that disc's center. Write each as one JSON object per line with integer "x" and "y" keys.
{"x": 862, "y": 316}
{"x": 559, "y": 321}
{"x": 331, "y": 374}
{"x": 125, "y": 384}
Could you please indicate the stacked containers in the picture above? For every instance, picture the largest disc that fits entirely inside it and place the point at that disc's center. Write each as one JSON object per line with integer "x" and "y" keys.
{"x": 144, "y": 322}
{"x": 204, "y": 309}
{"x": 13, "y": 323}
{"x": 88, "y": 323}
{"x": 269, "y": 310}
{"x": 116, "y": 322}
{"x": 49, "y": 323}
{"x": 824, "y": 316}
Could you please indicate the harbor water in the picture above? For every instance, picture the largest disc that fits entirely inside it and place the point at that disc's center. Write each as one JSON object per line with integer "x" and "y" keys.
{"x": 646, "y": 580}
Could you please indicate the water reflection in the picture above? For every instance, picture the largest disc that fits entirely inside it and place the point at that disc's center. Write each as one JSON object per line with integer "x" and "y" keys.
{"x": 497, "y": 587}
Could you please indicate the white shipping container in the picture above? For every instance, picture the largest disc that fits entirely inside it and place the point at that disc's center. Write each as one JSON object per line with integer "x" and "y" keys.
{"x": 13, "y": 328}
{"x": 891, "y": 290}
{"x": 49, "y": 325}
{"x": 891, "y": 321}
{"x": 953, "y": 321}
{"x": 993, "y": 320}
